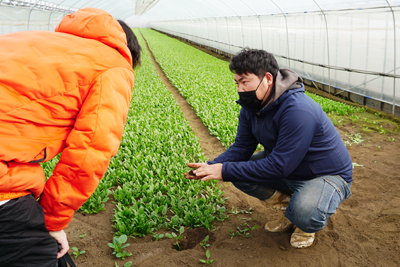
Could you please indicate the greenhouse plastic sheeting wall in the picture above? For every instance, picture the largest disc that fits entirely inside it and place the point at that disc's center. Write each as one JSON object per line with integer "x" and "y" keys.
{"x": 359, "y": 39}
{"x": 16, "y": 19}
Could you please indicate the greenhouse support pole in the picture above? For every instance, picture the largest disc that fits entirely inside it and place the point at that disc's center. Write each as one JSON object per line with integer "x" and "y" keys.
{"x": 240, "y": 18}
{"x": 29, "y": 15}
{"x": 226, "y": 21}
{"x": 327, "y": 43}
{"x": 287, "y": 31}
{"x": 259, "y": 22}
{"x": 395, "y": 58}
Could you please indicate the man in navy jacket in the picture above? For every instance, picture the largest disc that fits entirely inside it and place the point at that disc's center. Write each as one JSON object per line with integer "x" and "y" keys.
{"x": 305, "y": 168}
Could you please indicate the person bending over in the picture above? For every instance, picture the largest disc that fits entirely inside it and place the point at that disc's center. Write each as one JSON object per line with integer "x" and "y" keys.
{"x": 64, "y": 92}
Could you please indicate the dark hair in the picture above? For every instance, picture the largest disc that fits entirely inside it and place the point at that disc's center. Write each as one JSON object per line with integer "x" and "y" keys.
{"x": 254, "y": 61}
{"x": 133, "y": 44}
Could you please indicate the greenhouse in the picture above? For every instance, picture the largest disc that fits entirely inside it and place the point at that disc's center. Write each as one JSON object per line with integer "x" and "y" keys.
{"x": 347, "y": 48}
{"x": 119, "y": 164}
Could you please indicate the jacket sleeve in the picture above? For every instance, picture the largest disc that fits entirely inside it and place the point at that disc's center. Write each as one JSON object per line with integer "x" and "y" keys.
{"x": 94, "y": 139}
{"x": 245, "y": 143}
{"x": 298, "y": 126}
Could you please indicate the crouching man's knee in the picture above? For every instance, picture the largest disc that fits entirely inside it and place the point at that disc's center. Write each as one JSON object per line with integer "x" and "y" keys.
{"x": 309, "y": 220}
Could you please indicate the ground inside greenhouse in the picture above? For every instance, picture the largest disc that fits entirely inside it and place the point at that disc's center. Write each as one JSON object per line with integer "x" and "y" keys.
{"x": 365, "y": 231}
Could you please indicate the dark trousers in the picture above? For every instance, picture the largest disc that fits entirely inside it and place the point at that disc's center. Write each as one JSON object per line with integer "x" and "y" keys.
{"x": 24, "y": 238}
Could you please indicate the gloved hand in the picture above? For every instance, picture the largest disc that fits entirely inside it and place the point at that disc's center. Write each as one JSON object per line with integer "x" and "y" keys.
{"x": 61, "y": 238}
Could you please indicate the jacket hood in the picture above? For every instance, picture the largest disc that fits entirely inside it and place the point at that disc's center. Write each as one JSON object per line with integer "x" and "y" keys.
{"x": 286, "y": 80}
{"x": 97, "y": 24}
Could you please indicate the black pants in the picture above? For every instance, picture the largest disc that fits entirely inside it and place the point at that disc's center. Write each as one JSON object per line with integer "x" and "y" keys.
{"x": 24, "y": 238}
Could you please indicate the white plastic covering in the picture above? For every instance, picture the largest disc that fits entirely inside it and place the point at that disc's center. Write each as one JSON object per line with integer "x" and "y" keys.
{"x": 351, "y": 45}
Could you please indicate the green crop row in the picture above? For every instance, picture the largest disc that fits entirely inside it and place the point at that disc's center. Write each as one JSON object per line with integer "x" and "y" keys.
{"x": 208, "y": 85}
{"x": 157, "y": 144}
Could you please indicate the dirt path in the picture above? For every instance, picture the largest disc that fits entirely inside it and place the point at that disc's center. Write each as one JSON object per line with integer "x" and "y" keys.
{"x": 364, "y": 232}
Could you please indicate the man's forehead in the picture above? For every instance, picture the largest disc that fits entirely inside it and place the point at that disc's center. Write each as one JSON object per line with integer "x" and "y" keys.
{"x": 243, "y": 75}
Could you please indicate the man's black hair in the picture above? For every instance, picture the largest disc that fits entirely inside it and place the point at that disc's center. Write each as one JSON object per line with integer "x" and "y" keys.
{"x": 133, "y": 44}
{"x": 254, "y": 61}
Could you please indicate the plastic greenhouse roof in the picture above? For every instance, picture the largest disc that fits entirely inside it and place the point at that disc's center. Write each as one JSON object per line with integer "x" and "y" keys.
{"x": 158, "y": 10}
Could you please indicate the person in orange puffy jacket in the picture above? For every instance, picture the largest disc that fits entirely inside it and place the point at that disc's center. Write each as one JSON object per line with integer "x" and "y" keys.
{"x": 64, "y": 92}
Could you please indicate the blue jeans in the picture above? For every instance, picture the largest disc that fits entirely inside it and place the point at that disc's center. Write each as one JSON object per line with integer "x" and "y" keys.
{"x": 313, "y": 201}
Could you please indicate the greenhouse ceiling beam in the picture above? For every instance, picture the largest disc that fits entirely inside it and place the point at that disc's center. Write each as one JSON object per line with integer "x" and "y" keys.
{"x": 395, "y": 58}
{"x": 327, "y": 44}
{"x": 287, "y": 30}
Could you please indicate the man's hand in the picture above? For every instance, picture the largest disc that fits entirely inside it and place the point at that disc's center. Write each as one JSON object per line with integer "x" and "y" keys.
{"x": 205, "y": 172}
{"x": 61, "y": 238}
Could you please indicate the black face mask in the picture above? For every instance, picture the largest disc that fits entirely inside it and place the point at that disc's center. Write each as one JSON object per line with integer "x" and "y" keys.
{"x": 250, "y": 99}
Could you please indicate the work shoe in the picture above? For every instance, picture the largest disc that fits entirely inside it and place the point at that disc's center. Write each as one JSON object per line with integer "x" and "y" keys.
{"x": 278, "y": 200}
{"x": 280, "y": 225}
{"x": 301, "y": 239}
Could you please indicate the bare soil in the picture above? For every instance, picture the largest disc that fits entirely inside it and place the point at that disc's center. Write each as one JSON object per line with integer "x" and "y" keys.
{"x": 364, "y": 232}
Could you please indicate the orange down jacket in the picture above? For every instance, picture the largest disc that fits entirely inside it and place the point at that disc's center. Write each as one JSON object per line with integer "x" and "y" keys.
{"x": 66, "y": 91}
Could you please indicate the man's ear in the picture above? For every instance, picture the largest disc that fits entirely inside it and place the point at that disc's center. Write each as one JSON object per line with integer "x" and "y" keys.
{"x": 270, "y": 79}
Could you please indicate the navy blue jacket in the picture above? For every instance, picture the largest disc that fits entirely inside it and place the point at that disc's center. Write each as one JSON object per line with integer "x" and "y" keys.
{"x": 300, "y": 139}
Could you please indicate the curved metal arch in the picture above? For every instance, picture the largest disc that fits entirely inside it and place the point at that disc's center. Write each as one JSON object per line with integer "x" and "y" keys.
{"x": 327, "y": 43}
{"x": 287, "y": 30}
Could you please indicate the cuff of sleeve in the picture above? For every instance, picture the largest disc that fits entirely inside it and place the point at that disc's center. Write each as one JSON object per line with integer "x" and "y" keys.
{"x": 226, "y": 174}
{"x": 55, "y": 224}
